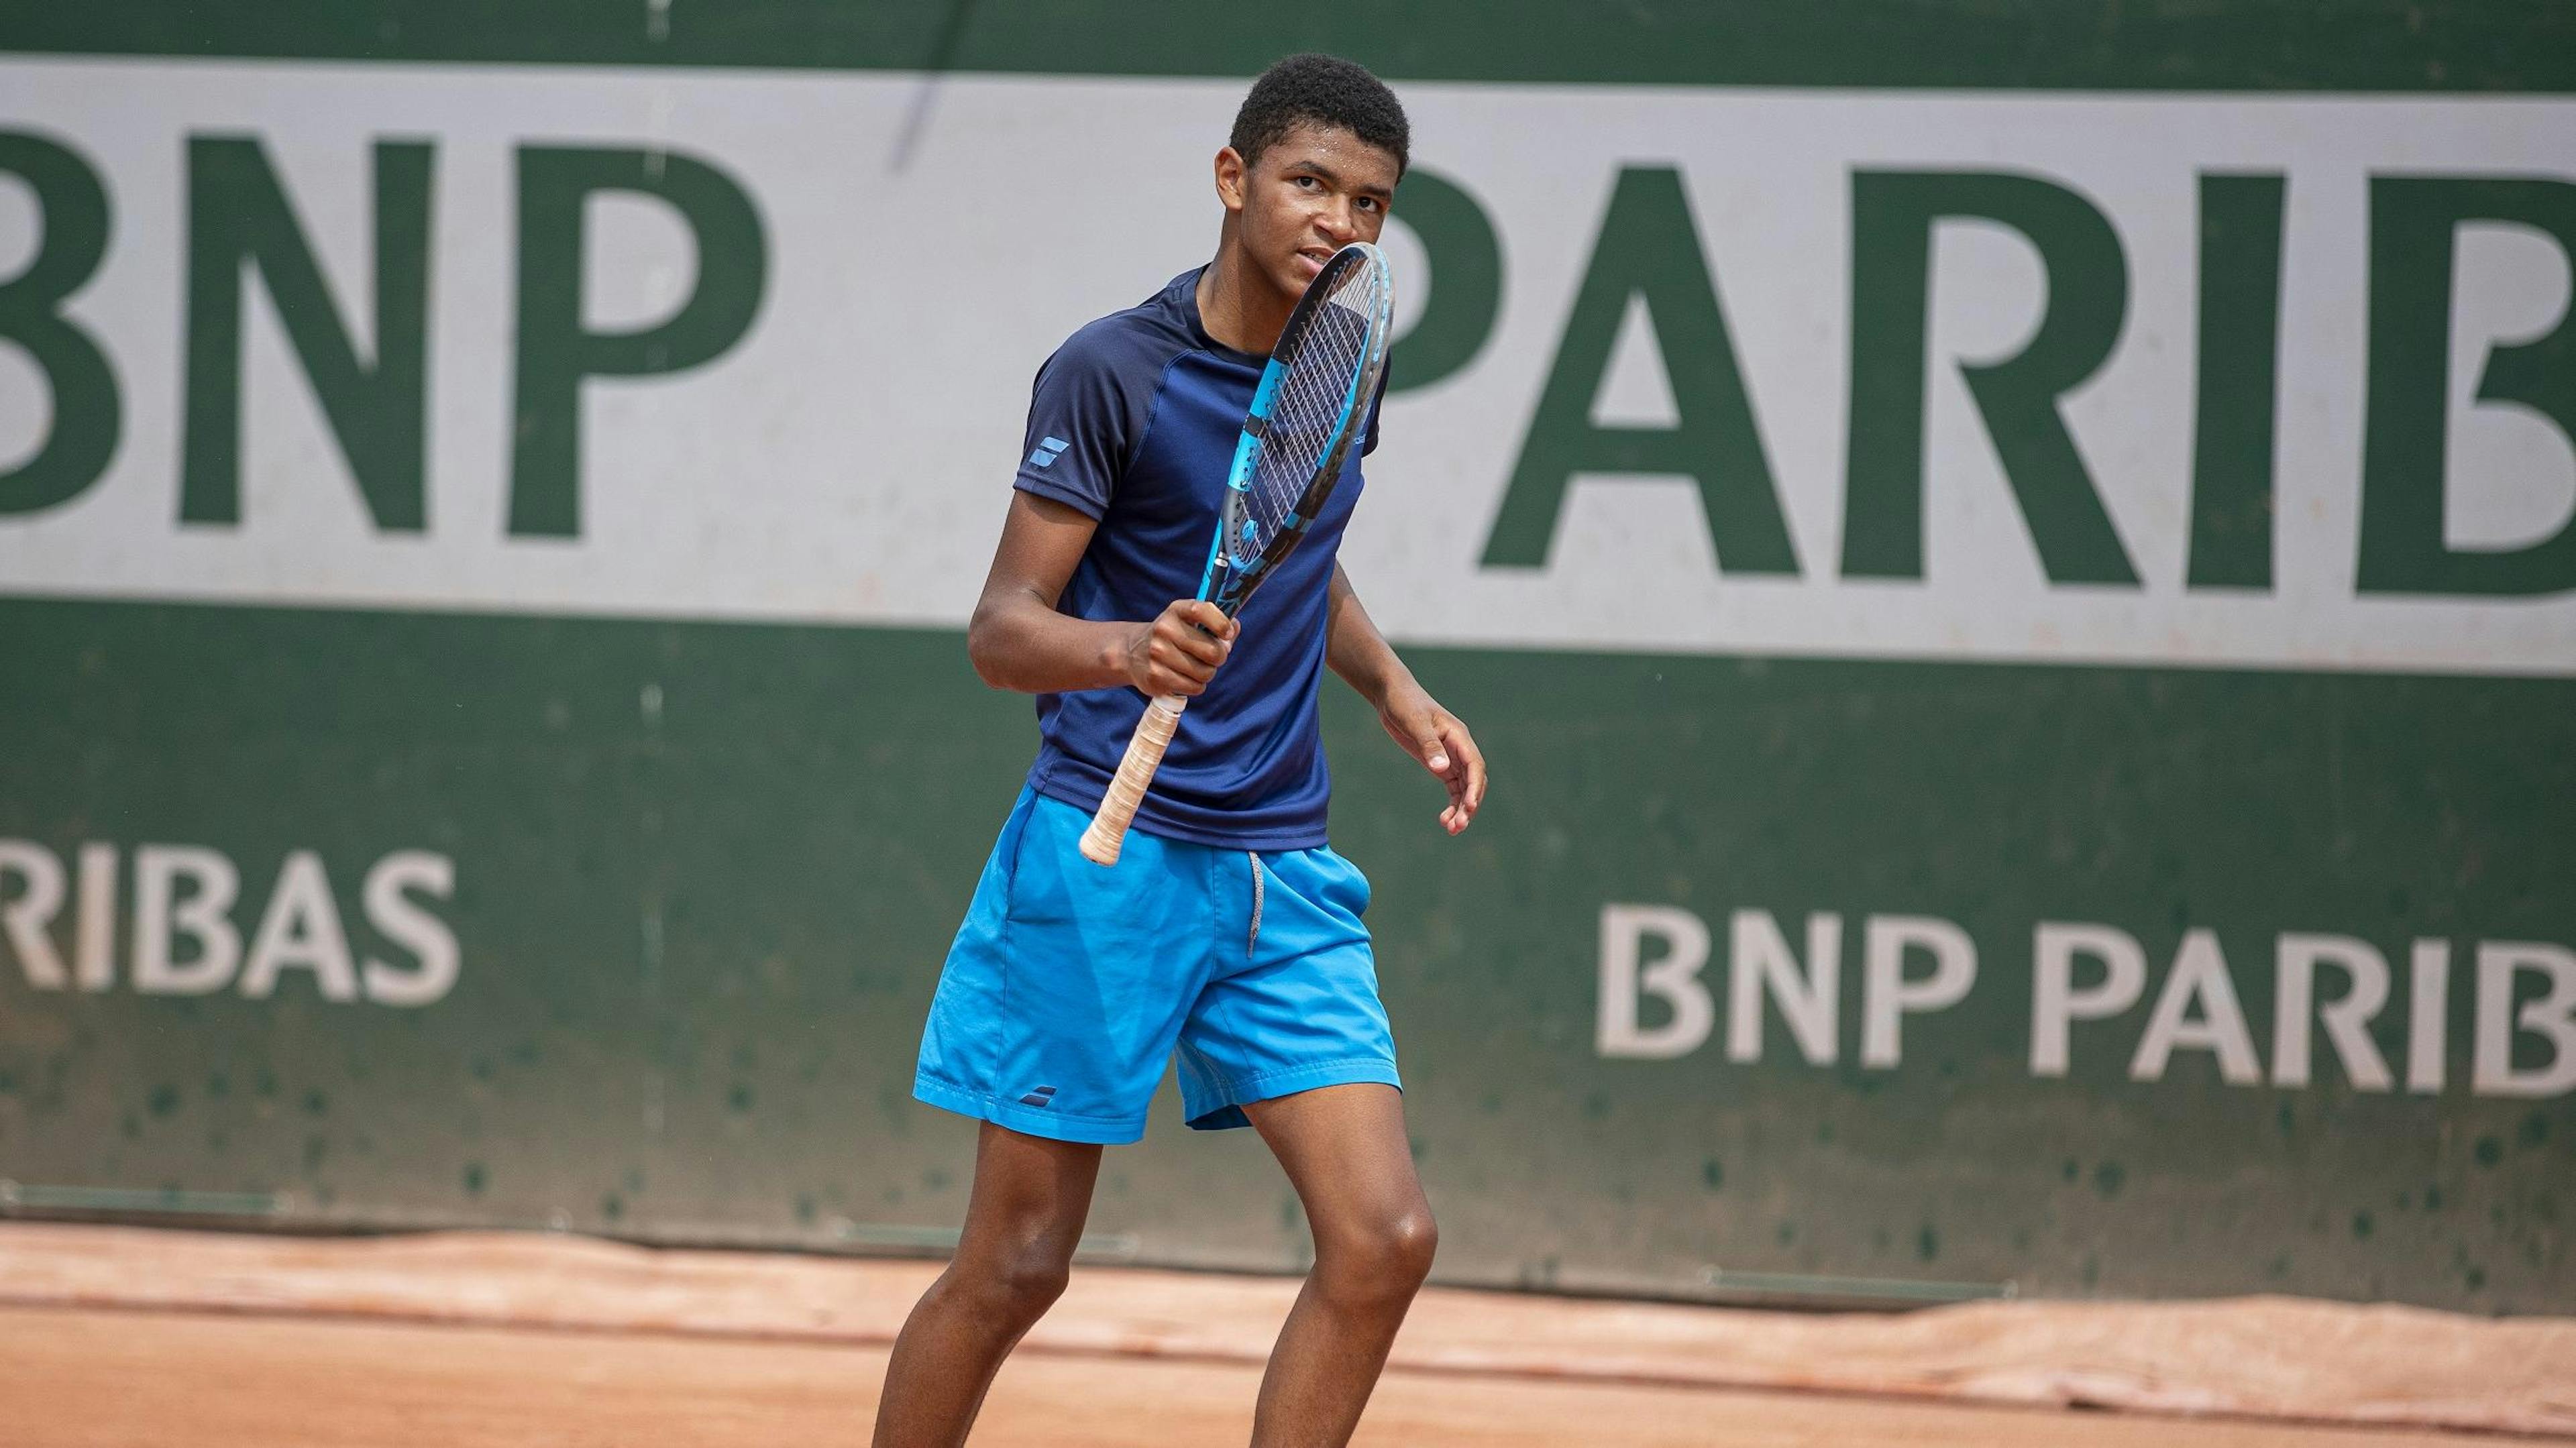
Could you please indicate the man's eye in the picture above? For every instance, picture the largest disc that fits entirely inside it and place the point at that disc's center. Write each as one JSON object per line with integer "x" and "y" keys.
{"x": 1306, "y": 183}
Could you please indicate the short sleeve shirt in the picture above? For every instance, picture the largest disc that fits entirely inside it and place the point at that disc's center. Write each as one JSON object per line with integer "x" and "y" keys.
{"x": 1134, "y": 422}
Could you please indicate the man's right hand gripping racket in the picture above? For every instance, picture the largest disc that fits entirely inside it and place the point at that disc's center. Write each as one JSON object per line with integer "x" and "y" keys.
{"x": 1313, "y": 395}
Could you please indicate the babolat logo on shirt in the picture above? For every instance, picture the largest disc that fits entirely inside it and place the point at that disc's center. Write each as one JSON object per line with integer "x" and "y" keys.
{"x": 1048, "y": 449}
{"x": 1043, "y": 1096}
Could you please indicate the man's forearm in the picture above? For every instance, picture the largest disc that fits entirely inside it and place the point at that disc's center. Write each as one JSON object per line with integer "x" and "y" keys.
{"x": 1354, "y": 649}
{"x": 1023, "y": 644}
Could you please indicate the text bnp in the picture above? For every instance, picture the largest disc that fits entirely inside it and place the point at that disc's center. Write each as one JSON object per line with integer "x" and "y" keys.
{"x": 243, "y": 226}
{"x": 2089, "y": 990}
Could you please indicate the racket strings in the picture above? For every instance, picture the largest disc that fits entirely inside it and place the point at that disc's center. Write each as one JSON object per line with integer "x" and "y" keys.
{"x": 1306, "y": 412}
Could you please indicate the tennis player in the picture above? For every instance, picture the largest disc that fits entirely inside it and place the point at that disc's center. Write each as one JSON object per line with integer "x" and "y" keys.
{"x": 1229, "y": 930}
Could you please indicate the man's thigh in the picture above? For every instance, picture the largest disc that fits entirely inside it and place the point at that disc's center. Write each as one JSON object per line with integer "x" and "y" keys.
{"x": 1345, "y": 1150}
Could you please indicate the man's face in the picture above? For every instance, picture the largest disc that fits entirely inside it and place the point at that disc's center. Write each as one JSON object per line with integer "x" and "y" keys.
{"x": 1313, "y": 192}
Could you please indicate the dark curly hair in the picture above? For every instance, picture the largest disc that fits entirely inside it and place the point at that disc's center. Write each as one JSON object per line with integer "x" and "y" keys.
{"x": 1324, "y": 90}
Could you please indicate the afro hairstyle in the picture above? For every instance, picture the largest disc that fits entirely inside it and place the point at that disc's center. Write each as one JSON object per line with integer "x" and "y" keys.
{"x": 1323, "y": 90}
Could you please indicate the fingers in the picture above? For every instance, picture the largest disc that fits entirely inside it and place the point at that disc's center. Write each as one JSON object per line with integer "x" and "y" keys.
{"x": 1182, "y": 665}
{"x": 1206, "y": 617}
{"x": 1188, "y": 643}
{"x": 1184, "y": 648}
{"x": 1466, "y": 776}
{"x": 1433, "y": 753}
{"x": 1475, "y": 757}
{"x": 1437, "y": 738}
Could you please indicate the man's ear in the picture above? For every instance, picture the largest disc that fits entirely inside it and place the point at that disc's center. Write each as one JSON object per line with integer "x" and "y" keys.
{"x": 1230, "y": 177}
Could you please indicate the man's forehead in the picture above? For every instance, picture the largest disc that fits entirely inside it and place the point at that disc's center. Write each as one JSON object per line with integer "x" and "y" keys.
{"x": 1336, "y": 148}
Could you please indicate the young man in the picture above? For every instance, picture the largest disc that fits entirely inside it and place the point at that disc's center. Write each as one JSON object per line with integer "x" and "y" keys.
{"x": 1227, "y": 929}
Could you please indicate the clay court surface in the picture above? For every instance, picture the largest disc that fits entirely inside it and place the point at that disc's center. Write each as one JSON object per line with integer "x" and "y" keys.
{"x": 118, "y": 1338}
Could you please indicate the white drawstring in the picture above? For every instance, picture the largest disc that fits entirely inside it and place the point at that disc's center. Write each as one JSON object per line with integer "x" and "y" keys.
{"x": 1253, "y": 942}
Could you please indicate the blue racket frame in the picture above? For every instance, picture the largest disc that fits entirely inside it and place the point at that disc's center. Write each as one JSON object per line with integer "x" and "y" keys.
{"x": 1229, "y": 578}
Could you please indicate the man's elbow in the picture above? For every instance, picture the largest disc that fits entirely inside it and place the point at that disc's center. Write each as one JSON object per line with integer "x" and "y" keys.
{"x": 982, "y": 649}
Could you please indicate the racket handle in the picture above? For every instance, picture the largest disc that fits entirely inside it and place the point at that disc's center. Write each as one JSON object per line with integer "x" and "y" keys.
{"x": 1101, "y": 842}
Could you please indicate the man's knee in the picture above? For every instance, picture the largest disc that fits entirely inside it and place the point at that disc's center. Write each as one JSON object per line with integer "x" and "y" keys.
{"x": 1021, "y": 1280}
{"x": 1036, "y": 1276}
{"x": 1380, "y": 1260}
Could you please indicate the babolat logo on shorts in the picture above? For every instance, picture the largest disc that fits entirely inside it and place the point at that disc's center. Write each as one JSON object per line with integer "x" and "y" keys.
{"x": 1043, "y": 1096}
{"x": 1047, "y": 451}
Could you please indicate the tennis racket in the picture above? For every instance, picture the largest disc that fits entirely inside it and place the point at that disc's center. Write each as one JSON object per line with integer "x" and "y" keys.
{"x": 1312, "y": 395}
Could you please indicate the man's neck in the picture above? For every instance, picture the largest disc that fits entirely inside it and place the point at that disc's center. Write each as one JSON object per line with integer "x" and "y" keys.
{"x": 1239, "y": 309}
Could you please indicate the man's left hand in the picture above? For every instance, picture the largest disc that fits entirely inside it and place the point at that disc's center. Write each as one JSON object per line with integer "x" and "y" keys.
{"x": 1440, "y": 740}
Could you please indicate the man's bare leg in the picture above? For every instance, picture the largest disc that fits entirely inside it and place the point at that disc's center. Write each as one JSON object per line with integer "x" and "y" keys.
{"x": 1022, "y": 1220}
{"x": 1345, "y": 1151}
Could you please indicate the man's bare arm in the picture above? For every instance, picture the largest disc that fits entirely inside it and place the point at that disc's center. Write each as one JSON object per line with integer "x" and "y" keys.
{"x": 1354, "y": 649}
{"x": 1017, "y": 639}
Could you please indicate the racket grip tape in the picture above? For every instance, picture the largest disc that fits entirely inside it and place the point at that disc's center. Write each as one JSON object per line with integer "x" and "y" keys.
{"x": 1108, "y": 832}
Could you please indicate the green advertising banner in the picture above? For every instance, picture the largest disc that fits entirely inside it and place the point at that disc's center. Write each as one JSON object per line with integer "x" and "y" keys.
{"x": 2019, "y": 583}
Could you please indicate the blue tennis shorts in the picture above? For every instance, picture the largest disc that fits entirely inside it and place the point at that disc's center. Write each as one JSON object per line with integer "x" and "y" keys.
{"x": 1070, "y": 984}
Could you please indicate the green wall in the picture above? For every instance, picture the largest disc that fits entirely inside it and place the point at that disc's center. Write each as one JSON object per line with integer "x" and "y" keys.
{"x": 699, "y": 944}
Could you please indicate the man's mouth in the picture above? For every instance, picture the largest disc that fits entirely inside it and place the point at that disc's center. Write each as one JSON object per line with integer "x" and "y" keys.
{"x": 1310, "y": 260}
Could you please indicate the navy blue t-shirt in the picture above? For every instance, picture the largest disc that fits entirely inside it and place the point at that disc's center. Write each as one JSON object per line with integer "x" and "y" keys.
{"x": 1134, "y": 421}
